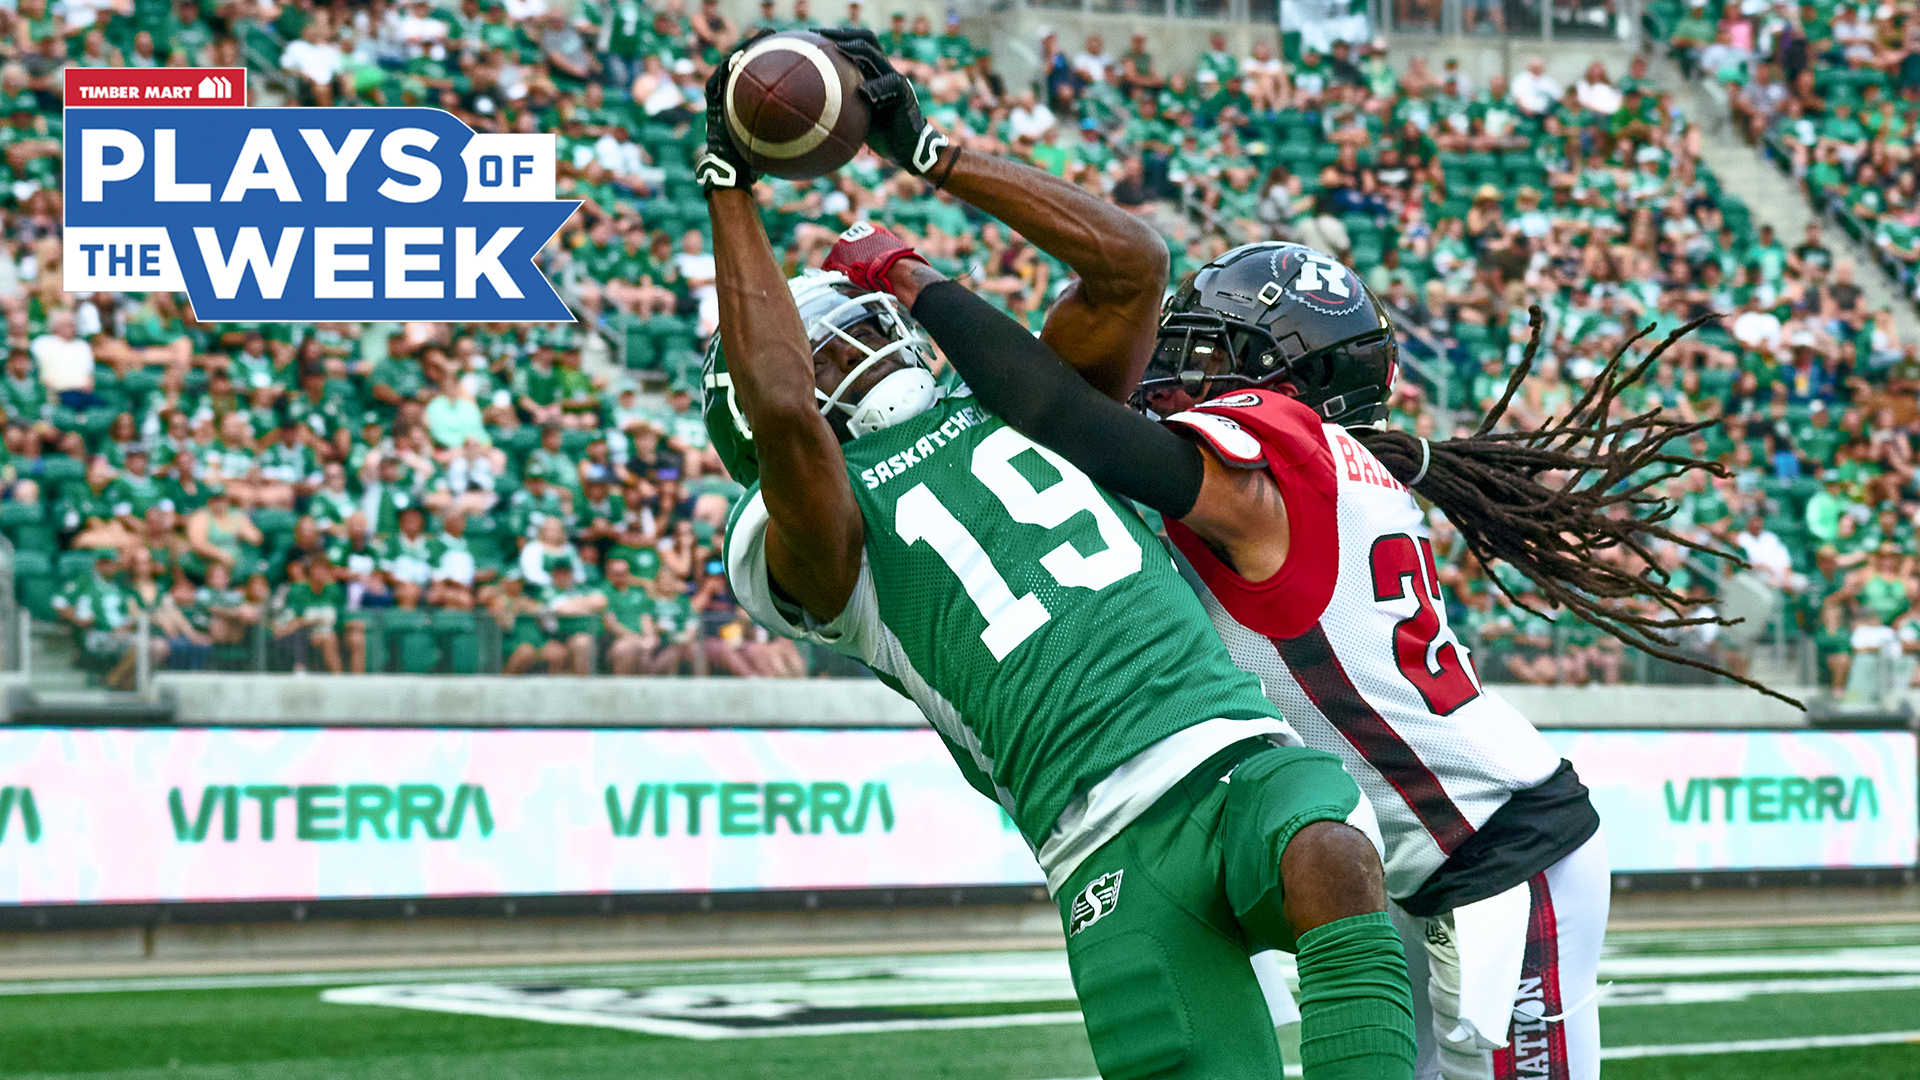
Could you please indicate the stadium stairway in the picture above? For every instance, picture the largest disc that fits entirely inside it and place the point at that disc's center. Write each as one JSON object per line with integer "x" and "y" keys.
{"x": 1745, "y": 173}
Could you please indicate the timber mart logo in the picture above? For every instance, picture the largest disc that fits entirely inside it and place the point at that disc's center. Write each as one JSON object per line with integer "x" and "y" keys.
{"x": 1094, "y": 903}
{"x": 215, "y": 86}
{"x": 301, "y": 215}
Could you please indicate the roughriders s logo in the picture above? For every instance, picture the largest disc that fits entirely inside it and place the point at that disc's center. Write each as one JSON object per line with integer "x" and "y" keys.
{"x": 1318, "y": 281}
{"x": 1094, "y": 903}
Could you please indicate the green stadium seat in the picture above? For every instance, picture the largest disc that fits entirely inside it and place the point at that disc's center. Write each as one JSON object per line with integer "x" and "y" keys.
{"x": 72, "y": 565}
{"x": 142, "y": 382}
{"x": 1476, "y": 340}
{"x": 662, "y": 216}
{"x": 277, "y": 524}
{"x": 524, "y": 439}
{"x": 1297, "y": 157}
{"x": 34, "y": 583}
{"x": 459, "y": 636}
{"x": 14, "y": 514}
{"x": 409, "y": 641}
{"x": 36, "y": 536}
{"x": 672, "y": 335}
{"x": 57, "y": 470}
{"x": 639, "y": 353}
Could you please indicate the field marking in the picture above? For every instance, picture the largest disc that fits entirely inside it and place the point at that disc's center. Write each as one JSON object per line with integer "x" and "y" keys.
{"x": 1621, "y": 994}
{"x": 1634, "y": 974}
{"x": 505, "y": 972}
{"x": 1761, "y": 1046}
{"x": 1742, "y": 1046}
{"x": 660, "y": 1025}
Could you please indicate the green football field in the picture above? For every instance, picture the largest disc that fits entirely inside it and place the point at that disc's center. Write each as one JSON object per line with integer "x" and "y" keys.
{"x": 1822, "y": 1003}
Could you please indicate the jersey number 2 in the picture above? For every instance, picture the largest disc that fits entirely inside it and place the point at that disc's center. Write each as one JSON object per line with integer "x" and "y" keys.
{"x": 1445, "y": 685}
{"x": 920, "y": 515}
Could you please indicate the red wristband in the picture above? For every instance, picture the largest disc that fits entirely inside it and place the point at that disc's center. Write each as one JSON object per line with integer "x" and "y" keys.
{"x": 865, "y": 253}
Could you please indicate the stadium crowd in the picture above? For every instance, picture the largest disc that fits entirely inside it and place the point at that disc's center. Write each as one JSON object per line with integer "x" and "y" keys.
{"x": 427, "y": 497}
{"x": 1831, "y": 91}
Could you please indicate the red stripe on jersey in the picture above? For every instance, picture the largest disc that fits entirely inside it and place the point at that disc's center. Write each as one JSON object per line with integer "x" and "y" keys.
{"x": 1294, "y": 443}
{"x": 1311, "y": 659}
{"x": 1537, "y": 1048}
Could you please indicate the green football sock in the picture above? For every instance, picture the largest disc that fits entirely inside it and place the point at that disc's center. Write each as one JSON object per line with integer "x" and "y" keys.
{"x": 1356, "y": 1008}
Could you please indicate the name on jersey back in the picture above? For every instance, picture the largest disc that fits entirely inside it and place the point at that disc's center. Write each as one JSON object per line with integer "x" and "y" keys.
{"x": 1358, "y": 465}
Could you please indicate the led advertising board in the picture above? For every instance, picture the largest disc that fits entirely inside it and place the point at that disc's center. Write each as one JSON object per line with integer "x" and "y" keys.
{"x": 99, "y": 816}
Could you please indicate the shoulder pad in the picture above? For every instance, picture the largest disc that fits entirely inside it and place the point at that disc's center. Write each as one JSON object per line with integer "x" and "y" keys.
{"x": 1234, "y": 444}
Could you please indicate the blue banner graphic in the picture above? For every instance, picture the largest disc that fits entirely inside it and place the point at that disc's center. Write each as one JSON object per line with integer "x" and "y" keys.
{"x": 312, "y": 215}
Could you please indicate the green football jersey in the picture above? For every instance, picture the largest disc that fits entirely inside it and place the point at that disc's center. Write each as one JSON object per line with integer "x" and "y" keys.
{"x": 1034, "y": 618}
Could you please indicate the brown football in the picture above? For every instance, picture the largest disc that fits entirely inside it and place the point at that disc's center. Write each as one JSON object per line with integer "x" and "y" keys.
{"x": 793, "y": 106}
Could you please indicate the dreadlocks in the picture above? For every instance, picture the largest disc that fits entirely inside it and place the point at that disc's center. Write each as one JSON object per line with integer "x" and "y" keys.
{"x": 1549, "y": 502}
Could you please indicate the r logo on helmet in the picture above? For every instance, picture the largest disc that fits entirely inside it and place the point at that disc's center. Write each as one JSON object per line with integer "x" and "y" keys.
{"x": 1318, "y": 281}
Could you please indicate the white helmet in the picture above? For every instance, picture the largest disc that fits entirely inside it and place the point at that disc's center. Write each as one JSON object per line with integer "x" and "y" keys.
{"x": 827, "y": 312}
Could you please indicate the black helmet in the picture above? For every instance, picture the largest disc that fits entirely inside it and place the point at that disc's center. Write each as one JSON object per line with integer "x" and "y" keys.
{"x": 1271, "y": 313}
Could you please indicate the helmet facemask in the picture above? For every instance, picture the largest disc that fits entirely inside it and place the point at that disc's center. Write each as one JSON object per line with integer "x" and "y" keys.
{"x": 831, "y": 314}
{"x": 1205, "y": 355}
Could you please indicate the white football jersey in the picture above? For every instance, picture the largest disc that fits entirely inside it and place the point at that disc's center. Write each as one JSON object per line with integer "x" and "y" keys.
{"x": 1351, "y": 639}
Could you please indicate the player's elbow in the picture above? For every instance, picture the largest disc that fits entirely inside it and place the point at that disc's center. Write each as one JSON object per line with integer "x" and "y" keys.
{"x": 1138, "y": 260}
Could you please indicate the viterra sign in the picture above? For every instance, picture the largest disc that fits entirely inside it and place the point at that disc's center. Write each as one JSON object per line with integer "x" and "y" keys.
{"x": 93, "y": 816}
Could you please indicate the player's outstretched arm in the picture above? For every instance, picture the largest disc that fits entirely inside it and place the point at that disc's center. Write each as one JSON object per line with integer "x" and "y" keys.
{"x": 1104, "y": 324}
{"x": 1023, "y": 381}
{"x": 814, "y": 532}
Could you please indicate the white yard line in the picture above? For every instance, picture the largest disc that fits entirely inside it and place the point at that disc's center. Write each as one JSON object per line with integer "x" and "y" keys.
{"x": 661, "y": 1025}
{"x": 1743, "y": 1046}
{"x": 505, "y": 972}
{"x": 1762, "y": 1046}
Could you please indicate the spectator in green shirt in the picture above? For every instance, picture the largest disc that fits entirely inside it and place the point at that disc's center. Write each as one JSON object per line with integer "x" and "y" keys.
{"x": 576, "y": 612}
{"x": 308, "y": 614}
{"x": 1818, "y": 439}
{"x": 453, "y": 416}
{"x": 629, "y": 621}
{"x": 536, "y": 387}
{"x": 954, "y": 45}
{"x": 922, "y": 47}
{"x": 1048, "y": 154}
{"x": 397, "y": 379}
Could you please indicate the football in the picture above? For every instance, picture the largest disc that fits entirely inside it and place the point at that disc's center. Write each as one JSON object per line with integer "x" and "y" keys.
{"x": 793, "y": 106}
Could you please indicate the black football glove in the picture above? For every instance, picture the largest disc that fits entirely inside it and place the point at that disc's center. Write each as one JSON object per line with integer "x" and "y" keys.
{"x": 898, "y": 132}
{"x": 722, "y": 165}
